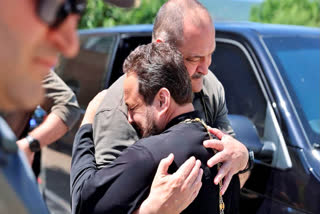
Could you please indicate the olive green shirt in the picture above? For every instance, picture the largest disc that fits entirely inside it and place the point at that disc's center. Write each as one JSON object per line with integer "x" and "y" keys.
{"x": 112, "y": 132}
{"x": 59, "y": 99}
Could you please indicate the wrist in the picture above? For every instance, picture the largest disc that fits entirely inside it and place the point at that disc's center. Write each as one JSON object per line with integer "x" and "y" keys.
{"x": 250, "y": 162}
{"x": 34, "y": 144}
{"x": 23, "y": 145}
{"x": 247, "y": 162}
{"x": 147, "y": 207}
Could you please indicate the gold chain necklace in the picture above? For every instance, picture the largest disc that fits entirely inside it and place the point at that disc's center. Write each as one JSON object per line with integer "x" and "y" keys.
{"x": 221, "y": 203}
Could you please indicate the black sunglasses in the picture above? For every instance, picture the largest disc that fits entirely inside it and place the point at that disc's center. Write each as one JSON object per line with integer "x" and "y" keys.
{"x": 54, "y": 12}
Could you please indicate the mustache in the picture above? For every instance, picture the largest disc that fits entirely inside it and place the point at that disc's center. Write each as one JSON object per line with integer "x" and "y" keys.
{"x": 197, "y": 75}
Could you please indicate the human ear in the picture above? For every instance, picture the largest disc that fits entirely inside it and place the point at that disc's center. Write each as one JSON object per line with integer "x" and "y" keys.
{"x": 162, "y": 100}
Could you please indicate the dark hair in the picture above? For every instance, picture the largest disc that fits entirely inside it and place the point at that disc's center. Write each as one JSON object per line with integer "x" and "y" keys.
{"x": 169, "y": 21}
{"x": 159, "y": 65}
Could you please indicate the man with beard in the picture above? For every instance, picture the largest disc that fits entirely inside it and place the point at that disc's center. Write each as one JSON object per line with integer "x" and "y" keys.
{"x": 32, "y": 35}
{"x": 187, "y": 25}
{"x": 158, "y": 94}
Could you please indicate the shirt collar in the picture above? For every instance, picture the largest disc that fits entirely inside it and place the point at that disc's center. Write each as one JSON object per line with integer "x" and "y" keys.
{"x": 182, "y": 117}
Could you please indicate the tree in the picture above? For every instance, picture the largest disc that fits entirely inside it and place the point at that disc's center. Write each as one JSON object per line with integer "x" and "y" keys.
{"x": 292, "y": 12}
{"x": 99, "y": 14}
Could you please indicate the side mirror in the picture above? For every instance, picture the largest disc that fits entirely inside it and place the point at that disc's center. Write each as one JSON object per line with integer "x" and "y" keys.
{"x": 247, "y": 134}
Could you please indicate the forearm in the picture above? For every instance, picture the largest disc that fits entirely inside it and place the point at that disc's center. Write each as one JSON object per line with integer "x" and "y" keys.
{"x": 50, "y": 130}
{"x": 119, "y": 187}
{"x": 83, "y": 164}
{"x": 46, "y": 133}
{"x": 60, "y": 100}
{"x": 145, "y": 208}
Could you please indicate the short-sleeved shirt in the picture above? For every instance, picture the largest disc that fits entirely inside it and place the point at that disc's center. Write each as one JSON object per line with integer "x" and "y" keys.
{"x": 59, "y": 99}
{"x": 112, "y": 132}
{"x": 124, "y": 184}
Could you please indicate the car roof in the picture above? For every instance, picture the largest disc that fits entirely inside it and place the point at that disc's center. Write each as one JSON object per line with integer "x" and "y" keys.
{"x": 140, "y": 28}
{"x": 266, "y": 29}
{"x": 231, "y": 27}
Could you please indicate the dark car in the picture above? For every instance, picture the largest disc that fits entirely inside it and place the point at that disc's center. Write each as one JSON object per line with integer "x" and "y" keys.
{"x": 271, "y": 75}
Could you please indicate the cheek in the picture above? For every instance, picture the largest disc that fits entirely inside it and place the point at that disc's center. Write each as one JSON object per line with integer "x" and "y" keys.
{"x": 191, "y": 68}
{"x": 209, "y": 61}
{"x": 138, "y": 118}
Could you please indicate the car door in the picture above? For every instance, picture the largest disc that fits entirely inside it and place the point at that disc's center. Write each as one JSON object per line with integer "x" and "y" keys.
{"x": 236, "y": 66}
{"x": 87, "y": 73}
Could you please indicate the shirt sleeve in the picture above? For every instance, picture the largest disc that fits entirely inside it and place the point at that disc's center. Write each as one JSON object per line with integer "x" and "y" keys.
{"x": 222, "y": 122}
{"x": 118, "y": 188}
{"x": 60, "y": 100}
{"x": 112, "y": 133}
{"x": 214, "y": 90}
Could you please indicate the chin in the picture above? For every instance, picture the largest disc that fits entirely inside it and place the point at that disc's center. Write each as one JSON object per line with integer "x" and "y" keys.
{"x": 197, "y": 88}
{"x": 27, "y": 98}
{"x": 197, "y": 85}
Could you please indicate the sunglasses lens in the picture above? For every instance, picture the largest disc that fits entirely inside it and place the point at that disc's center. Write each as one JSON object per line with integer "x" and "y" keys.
{"x": 80, "y": 6}
{"x": 54, "y": 12}
{"x": 48, "y": 10}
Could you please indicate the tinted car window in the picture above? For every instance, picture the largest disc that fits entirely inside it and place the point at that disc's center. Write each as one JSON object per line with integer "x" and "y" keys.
{"x": 126, "y": 45}
{"x": 298, "y": 60}
{"x": 243, "y": 94}
{"x": 86, "y": 73}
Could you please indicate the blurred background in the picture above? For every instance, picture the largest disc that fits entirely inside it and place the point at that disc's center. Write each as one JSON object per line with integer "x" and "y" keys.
{"x": 292, "y": 12}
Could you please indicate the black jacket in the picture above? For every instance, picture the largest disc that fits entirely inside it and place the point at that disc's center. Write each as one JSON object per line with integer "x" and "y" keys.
{"x": 122, "y": 186}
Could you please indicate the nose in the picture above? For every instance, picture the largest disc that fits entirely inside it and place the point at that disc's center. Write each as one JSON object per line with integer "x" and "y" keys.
{"x": 65, "y": 37}
{"x": 204, "y": 65}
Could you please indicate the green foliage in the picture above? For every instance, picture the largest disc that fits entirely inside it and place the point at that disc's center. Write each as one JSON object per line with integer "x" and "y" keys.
{"x": 99, "y": 14}
{"x": 291, "y": 12}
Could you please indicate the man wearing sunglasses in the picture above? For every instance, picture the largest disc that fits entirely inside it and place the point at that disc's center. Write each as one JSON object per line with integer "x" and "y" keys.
{"x": 32, "y": 35}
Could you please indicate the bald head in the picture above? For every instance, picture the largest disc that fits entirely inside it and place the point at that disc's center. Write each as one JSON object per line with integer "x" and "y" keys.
{"x": 177, "y": 16}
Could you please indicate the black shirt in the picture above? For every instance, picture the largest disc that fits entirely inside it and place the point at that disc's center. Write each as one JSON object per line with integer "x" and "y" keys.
{"x": 122, "y": 186}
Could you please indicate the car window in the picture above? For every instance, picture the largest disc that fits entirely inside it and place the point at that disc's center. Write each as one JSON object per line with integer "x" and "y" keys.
{"x": 243, "y": 93}
{"x": 126, "y": 45}
{"x": 86, "y": 73}
{"x": 297, "y": 59}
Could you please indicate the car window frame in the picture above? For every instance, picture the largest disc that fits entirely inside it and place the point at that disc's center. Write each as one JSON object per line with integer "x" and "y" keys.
{"x": 284, "y": 161}
{"x": 287, "y": 96}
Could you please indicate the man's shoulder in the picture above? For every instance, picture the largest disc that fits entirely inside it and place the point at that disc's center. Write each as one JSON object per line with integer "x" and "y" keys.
{"x": 172, "y": 139}
{"x": 211, "y": 84}
{"x": 175, "y": 132}
{"x": 114, "y": 96}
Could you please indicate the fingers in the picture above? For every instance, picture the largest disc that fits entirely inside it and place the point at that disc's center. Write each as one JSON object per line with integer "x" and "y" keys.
{"x": 216, "y": 132}
{"x": 226, "y": 183}
{"x": 217, "y": 158}
{"x": 213, "y": 144}
{"x": 193, "y": 177}
{"x": 197, "y": 186}
{"x": 198, "y": 180}
{"x": 164, "y": 165}
{"x": 223, "y": 171}
{"x": 185, "y": 169}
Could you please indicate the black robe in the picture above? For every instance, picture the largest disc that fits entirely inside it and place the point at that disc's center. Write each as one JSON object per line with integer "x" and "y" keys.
{"x": 121, "y": 186}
